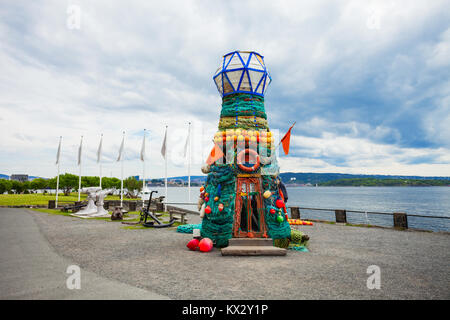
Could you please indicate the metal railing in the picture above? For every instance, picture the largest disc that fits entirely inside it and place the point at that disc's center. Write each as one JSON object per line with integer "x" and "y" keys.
{"x": 399, "y": 219}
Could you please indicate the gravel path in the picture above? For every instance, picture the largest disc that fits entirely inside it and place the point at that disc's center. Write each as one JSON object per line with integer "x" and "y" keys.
{"x": 414, "y": 265}
{"x": 31, "y": 269}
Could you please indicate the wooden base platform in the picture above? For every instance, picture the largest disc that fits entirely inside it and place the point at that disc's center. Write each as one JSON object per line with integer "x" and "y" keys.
{"x": 252, "y": 247}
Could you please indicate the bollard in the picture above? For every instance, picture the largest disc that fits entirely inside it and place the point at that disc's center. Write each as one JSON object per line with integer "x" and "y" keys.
{"x": 400, "y": 220}
{"x": 341, "y": 216}
{"x": 295, "y": 213}
{"x": 51, "y": 204}
{"x": 77, "y": 203}
{"x": 131, "y": 205}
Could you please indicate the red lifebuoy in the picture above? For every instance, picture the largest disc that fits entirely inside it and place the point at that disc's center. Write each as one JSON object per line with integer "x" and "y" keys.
{"x": 241, "y": 160}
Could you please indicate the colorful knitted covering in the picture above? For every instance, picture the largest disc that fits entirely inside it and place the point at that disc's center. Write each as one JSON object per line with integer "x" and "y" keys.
{"x": 297, "y": 247}
{"x": 244, "y": 111}
{"x": 276, "y": 230}
{"x": 243, "y": 122}
{"x": 218, "y": 225}
{"x": 243, "y": 105}
{"x": 188, "y": 228}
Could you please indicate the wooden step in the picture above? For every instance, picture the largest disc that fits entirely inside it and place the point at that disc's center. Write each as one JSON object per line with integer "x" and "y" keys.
{"x": 250, "y": 242}
{"x": 253, "y": 251}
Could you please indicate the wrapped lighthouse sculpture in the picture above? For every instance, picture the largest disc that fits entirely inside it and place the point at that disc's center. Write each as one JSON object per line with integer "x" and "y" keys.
{"x": 241, "y": 196}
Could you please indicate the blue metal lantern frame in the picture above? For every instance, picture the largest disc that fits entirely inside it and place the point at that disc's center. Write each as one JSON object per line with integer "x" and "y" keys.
{"x": 264, "y": 81}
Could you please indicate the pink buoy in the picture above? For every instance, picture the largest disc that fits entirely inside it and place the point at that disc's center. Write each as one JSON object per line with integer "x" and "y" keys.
{"x": 205, "y": 245}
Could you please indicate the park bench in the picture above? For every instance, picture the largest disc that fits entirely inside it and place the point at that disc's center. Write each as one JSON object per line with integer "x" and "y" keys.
{"x": 74, "y": 207}
{"x": 175, "y": 214}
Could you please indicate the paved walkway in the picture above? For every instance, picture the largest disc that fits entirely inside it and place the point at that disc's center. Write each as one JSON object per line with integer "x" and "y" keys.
{"x": 31, "y": 269}
{"x": 36, "y": 249}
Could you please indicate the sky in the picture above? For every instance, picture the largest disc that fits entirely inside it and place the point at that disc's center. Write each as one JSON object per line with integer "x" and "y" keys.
{"x": 367, "y": 82}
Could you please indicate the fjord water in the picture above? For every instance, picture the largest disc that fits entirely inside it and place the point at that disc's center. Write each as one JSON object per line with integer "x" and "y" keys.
{"x": 427, "y": 201}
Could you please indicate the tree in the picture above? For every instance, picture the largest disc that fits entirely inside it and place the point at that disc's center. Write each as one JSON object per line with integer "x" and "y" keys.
{"x": 38, "y": 184}
{"x": 131, "y": 184}
{"x": 108, "y": 183}
{"x": 67, "y": 182}
{"x": 90, "y": 181}
{"x": 17, "y": 186}
{"x": 5, "y": 186}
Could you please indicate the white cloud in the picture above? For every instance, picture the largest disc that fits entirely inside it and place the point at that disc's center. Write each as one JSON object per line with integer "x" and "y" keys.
{"x": 145, "y": 64}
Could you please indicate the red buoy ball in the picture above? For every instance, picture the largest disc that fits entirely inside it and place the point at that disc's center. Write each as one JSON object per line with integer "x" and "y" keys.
{"x": 272, "y": 211}
{"x": 193, "y": 244}
{"x": 220, "y": 207}
{"x": 279, "y": 203}
{"x": 206, "y": 199}
{"x": 205, "y": 245}
{"x": 208, "y": 209}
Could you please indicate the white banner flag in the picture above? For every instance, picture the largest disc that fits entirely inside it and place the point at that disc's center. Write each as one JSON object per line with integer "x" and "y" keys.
{"x": 143, "y": 148}
{"x": 58, "y": 153}
{"x": 187, "y": 143}
{"x": 80, "y": 150}
{"x": 121, "y": 148}
{"x": 163, "y": 148}
{"x": 99, "y": 150}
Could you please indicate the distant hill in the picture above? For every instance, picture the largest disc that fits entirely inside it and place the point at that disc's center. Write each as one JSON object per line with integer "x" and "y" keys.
{"x": 185, "y": 178}
{"x": 313, "y": 178}
{"x": 302, "y": 177}
{"x": 372, "y": 182}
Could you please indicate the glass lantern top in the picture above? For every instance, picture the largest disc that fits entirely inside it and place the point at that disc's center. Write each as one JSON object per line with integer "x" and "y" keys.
{"x": 242, "y": 72}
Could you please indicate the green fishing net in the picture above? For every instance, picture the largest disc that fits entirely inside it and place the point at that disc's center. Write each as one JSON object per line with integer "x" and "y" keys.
{"x": 245, "y": 111}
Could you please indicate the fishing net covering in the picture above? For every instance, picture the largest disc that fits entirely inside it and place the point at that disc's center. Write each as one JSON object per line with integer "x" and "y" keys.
{"x": 276, "y": 229}
{"x": 220, "y": 187}
{"x": 242, "y": 111}
{"x": 188, "y": 228}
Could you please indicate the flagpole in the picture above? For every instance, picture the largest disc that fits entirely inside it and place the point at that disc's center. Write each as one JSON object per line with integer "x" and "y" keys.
{"x": 143, "y": 172}
{"x": 121, "y": 175}
{"x": 79, "y": 163}
{"x": 189, "y": 162}
{"x": 57, "y": 187}
{"x": 165, "y": 169}
{"x": 121, "y": 183}
{"x": 57, "y": 175}
{"x": 100, "y": 159}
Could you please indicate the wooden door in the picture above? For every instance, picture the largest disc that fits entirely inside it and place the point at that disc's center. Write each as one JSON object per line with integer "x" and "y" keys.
{"x": 249, "y": 210}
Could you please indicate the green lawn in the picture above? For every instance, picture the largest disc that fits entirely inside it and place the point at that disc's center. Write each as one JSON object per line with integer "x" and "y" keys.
{"x": 135, "y": 215}
{"x": 41, "y": 199}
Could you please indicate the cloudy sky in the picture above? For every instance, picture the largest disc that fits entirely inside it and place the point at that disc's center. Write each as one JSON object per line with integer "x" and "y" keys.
{"x": 368, "y": 82}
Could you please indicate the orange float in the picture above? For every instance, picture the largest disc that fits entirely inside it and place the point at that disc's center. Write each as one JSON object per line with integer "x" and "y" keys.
{"x": 300, "y": 222}
{"x": 241, "y": 160}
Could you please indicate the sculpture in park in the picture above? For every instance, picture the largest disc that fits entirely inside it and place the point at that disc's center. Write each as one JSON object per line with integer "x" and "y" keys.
{"x": 94, "y": 208}
{"x": 241, "y": 197}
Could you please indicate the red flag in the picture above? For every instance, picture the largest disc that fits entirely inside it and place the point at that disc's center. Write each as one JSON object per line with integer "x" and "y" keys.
{"x": 216, "y": 153}
{"x": 286, "y": 140}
